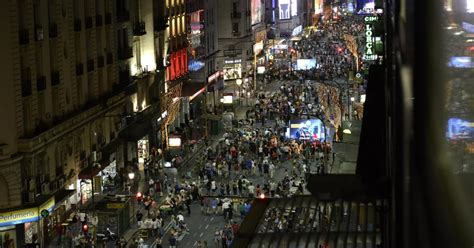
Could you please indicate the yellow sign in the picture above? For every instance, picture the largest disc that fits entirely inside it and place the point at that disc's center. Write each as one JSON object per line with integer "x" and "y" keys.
{"x": 116, "y": 205}
{"x": 19, "y": 216}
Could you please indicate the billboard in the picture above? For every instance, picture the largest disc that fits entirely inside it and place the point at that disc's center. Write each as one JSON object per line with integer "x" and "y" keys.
{"x": 294, "y": 7}
{"x": 256, "y": 11}
{"x": 305, "y": 64}
{"x": 311, "y": 129}
{"x": 284, "y": 7}
{"x": 232, "y": 69}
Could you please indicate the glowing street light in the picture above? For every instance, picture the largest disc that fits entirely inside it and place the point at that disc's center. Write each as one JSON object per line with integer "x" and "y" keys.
{"x": 131, "y": 175}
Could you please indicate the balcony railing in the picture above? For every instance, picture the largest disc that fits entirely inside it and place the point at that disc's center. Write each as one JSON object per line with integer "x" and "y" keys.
{"x": 110, "y": 58}
{"x": 41, "y": 83}
{"x": 26, "y": 87}
{"x": 123, "y": 16}
{"x": 24, "y": 36}
{"x": 55, "y": 80}
{"x": 125, "y": 53}
{"x": 124, "y": 77}
{"x": 108, "y": 18}
{"x": 100, "y": 61}
{"x": 90, "y": 65}
{"x": 98, "y": 20}
{"x": 139, "y": 28}
{"x": 89, "y": 22}
{"x": 77, "y": 25}
{"x": 79, "y": 69}
{"x": 53, "y": 30}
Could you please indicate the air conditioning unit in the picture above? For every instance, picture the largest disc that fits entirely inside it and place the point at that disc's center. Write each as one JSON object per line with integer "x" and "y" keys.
{"x": 39, "y": 34}
{"x": 45, "y": 188}
{"x": 94, "y": 156}
{"x": 99, "y": 156}
{"x": 42, "y": 178}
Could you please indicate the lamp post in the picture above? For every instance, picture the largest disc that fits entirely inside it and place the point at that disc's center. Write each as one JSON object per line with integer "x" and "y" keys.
{"x": 131, "y": 176}
{"x": 239, "y": 83}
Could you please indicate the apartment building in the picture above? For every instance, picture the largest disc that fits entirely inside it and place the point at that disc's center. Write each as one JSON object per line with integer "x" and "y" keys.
{"x": 80, "y": 77}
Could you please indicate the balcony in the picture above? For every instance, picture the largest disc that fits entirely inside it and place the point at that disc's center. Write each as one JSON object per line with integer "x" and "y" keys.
{"x": 124, "y": 77}
{"x": 236, "y": 15}
{"x": 125, "y": 53}
{"x": 90, "y": 65}
{"x": 98, "y": 21}
{"x": 55, "y": 80}
{"x": 123, "y": 16}
{"x": 39, "y": 33}
{"x": 77, "y": 25}
{"x": 79, "y": 69}
{"x": 53, "y": 30}
{"x": 139, "y": 29}
{"x": 110, "y": 58}
{"x": 88, "y": 22}
{"x": 41, "y": 83}
{"x": 26, "y": 88}
{"x": 24, "y": 36}
{"x": 108, "y": 18}
{"x": 100, "y": 61}
{"x": 160, "y": 24}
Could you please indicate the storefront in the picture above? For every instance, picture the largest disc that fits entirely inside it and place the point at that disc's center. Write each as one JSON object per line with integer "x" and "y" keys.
{"x": 35, "y": 225}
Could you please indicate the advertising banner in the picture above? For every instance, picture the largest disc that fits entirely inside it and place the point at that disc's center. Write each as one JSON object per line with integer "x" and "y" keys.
{"x": 284, "y": 6}
{"x": 232, "y": 69}
{"x": 256, "y": 12}
{"x": 19, "y": 216}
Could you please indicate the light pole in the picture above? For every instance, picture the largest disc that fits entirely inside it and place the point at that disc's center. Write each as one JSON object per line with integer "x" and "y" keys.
{"x": 239, "y": 83}
{"x": 131, "y": 176}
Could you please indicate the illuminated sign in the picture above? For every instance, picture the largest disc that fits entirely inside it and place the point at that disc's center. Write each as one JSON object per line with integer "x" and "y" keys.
{"x": 19, "y": 216}
{"x": 297, "y": 30}
{"x": 195, "y": 65}
{"x": 48, "y": 206}
{"x": 261, "y": 70}
{"x": 294, "y": 7}
{"x": 235, "y": 61}
{"x": 256, "y": 11}
{"x": 369, "y": 43}
{"x": 213, "y": 76}
{"x": 257, "y": 47}
{"x": 227, "y": 99}
{"x": 469, "y": 6}
{"x": 284, "y": 7}
{"x": 197, "y": 93}
{"x": 174, "y": 142}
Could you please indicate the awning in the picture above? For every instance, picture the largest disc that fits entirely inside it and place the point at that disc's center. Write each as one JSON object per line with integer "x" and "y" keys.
{"x": 62, "y": 195}
{"x": 90, "y": 172}
{"x": 110, "y": 148}
{"x": 136, "y": 130}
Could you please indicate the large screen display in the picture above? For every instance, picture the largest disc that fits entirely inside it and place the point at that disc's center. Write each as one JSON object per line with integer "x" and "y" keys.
{"x": 460, "y": 129}
{"x": 232, "y": 71}
{"x": 311, "y": 129}
{"x": 461, "y": 62}
{"x": 256, "y": 16}
{"x": 365, "y": 6}
{"x": 284, "y": 6}
{"x": 305, "y": 64}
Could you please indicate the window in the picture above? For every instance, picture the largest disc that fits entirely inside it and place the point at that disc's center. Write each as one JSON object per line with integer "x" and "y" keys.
{"x": 235, "y": 28}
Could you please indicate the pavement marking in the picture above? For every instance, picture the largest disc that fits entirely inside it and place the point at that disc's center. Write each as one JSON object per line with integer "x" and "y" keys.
{"x": 207, "y": 226}
{"x": 200, "y": 226}
{"x": 200, "y": 235}
{"x": 212, "y": 218}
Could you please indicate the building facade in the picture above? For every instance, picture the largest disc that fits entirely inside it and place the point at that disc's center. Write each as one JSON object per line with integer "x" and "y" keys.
{"x": 79, "y": 77}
